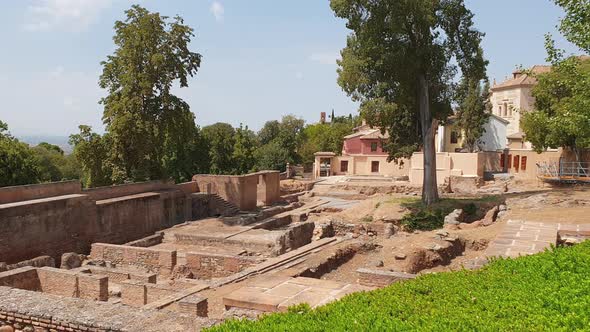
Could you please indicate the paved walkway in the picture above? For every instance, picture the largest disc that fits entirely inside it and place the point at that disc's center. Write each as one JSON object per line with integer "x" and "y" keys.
{"x": 521, "y": 238}
{"x": 278, "y": 293}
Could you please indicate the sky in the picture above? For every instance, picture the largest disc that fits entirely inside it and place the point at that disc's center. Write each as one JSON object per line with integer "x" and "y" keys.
{"x": 262, "y": 59}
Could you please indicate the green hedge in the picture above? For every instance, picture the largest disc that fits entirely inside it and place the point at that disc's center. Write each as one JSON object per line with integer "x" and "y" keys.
{"x": 544, "y": 292}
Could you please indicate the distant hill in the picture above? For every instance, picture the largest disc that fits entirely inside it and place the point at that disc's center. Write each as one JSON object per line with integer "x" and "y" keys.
{"x": 61, "y": 141}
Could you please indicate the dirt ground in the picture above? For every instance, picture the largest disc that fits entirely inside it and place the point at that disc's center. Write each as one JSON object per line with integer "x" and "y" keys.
{"x": 441, "y": 250}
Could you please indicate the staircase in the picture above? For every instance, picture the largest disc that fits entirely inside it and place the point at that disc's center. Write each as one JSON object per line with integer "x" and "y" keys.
{"x": 219, "y": 206}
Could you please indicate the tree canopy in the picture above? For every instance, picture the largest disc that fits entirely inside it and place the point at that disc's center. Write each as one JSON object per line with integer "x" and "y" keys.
{"x": 473, "y": 111}
{"x": 399, "y": 63}
{"x": 148, "y": 126}
{"x": 18, "y": 164}
{"x": 562, "y": 96}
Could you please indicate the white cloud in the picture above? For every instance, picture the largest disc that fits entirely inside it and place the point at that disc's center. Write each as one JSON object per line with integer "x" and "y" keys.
{"x": 299, "y": 75}
{"x": 43, "y": 15}
{"x": 217, "y": 10}
{"x": 325, "y": 58}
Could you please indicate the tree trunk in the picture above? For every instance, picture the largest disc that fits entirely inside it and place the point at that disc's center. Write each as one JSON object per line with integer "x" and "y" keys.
{"x": 429, "y": 186}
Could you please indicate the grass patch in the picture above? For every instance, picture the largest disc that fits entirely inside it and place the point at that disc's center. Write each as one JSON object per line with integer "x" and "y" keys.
{"x": 545, "y": 292}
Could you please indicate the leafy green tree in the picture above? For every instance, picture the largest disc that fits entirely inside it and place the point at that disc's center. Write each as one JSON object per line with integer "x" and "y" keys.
{"x": 243, "y": 152}
{"x": 269, "y": 132}
{"x": 562, "y": 96}
{"x": 91, "y": 150}
{"x": 473, "y": 111}
{"x": 575, "y": 26}
{"x": 290, "y": 136}
{"x": 147, "y": 125}
{"x": 324, "y": 137}
{"x": 49, "y": 160}
{"x": 399, "y": 63}
{"x": 221, "y": 140}
{"x": 271, "y": 156}
{"x": 18, "y": 164}
{"x": 562, "y": 108}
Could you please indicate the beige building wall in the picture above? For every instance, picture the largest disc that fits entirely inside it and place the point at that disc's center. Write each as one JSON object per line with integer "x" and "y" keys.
{"x": 361, "y": 165}
{"x": 447, "y": 164}
{"x": 510, "y": 103}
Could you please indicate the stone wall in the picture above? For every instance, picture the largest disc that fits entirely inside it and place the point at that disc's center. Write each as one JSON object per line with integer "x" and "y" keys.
{"x": 205, "y": 265}
{"x": 28, "y": 311}
{"x": 66, "y": 283}
{"x": 380, "y": 278}
{"x": 37, "y": 191}
{"x": 48, "y": 226}
{"x": 70, "y": 223}
{"x": 35, "y": 262}
{"x": 151, "y": 260}
{"x": 269, "y": 188}
{"x": 239, "y": 190}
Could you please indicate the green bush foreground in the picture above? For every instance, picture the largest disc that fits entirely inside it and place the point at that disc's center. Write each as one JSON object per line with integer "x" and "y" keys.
{"x": 544, "y": 292}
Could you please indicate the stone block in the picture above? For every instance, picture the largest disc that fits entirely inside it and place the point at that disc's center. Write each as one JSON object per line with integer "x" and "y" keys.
{"x": 317, "y": 283}
{"x": 379, "y": 278}
{"x": 194, "y": 305}
{"x": 133, "y": 293}
{"x": 58, "y": 282}
{"x": 93, "y": 287}
{"x": 252, "y": 298}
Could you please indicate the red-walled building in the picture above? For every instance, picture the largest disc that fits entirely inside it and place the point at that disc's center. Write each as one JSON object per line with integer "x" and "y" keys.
{"x": 362, "y": 154}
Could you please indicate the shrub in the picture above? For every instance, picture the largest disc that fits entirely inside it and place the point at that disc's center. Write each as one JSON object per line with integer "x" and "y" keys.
{"x": 544, "y": 292}
{"x": 470, "y": 209}
{"x": 424, "y": 220}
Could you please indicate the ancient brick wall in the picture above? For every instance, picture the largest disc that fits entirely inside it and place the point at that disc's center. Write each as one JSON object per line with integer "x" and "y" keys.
{"x": 37, "y": 191}
{"x": 239, "y": 190}
{"x": 380, "y": 278}
{"x": 268, "y": 190}
{"x": 152, "y": 260}
{"x": 24, "y": 310}
{"x": 206, "y": 265}
{"x": 22, "y": 278}
{"x": 70, "y": 223}
{"x": 47, "y": 226}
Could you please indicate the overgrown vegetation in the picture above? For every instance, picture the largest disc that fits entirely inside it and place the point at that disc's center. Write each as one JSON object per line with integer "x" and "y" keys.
{"x": 427, "y": 218}
{"x": 545, "y": 292}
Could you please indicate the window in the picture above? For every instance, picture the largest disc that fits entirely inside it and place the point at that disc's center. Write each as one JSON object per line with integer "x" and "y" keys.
{"x": 507, "y": 110}
{"x": 516, "y": 162}
{"x": 344, "y": 166}
{"x": 502, "y": 160}
{"x": 373, "y": 146}
{"x": 374, "y": 167}
{"x": 454, "y": 137}
{"x": 509, "y": 161}
{"x": 523, "y": 163}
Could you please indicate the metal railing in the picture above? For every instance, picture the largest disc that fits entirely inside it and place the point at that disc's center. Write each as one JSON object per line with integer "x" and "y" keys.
{"x": 573, "y": 171}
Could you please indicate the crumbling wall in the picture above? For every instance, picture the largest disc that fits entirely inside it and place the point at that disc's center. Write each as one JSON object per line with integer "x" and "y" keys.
{"x": 47, "y": 226}
{"x": 37, "y": 191}
{"x": 205, "y": 265}
{"x": 70, "y": 223}
{"x": 269, "y": 188}
{"x": 152, "y": 260}
{"x": 239, "y": 190}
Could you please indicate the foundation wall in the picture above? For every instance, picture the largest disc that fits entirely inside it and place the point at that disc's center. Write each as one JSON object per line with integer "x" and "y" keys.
{"x": 31, "y": 311}
{"x": 58, "y": 282}
{"x": 206, "y": 265}
{"x": 379, "y": 278}
{"x": 238, "y": 190}
{"x": 71, "y": 223}
{"x": 268, "y": 189}
{"x": 48, "y": 226}
{"x": 101, "y": 193}
{"x": 37, "y": 191}
{"x": 152, "y": 260}
{"x": 22, "y": 278}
